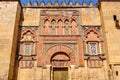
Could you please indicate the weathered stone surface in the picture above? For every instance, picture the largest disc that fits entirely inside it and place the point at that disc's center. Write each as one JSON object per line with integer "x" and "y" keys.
{"x": 110, "y": 30}
{"x": 9, "y": 19}
{"x": 30, "y": 17}
{"x": 90, "y": 16}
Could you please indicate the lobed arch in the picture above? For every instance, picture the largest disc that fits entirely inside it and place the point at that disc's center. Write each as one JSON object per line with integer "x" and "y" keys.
{"x": 58, "y": 19}
{"x": 46, "y": 20}
{"x": 28, "y": 30}
{"x": 46, "y": 23}
{"x": 60, "y": 22}
{"x": 66, "y": 20}
{"x": 73, "y": 20}
{"x": 53, "y": 21}
{"x": 91, "y": 29}
{"x": 31, "y": 32}
{"x": 91, "y": 34}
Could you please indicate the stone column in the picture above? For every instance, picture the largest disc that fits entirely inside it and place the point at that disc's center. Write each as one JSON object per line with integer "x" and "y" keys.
{"x": 86, "y": 70}
{"x": 72, "y": 75}
{"x": 47, "y": 73}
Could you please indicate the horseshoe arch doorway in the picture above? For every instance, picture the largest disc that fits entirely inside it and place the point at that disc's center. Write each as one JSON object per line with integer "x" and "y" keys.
{"x": 60, "y": 62}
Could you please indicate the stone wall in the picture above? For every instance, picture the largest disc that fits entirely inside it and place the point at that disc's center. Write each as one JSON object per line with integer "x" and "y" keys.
{"x": 110, "y": 30}
{"x": 30, "y": 73}
{"x": 114, "y": 72}
{"x": 88, "y": 16}
{"x": 31, "y": 17}
{"x": 9, "y": 20}
{"x": 110, "y": 11}
{"x": 81, "y": 73}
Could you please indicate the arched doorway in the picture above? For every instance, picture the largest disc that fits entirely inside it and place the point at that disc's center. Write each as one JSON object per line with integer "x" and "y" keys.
{"x": 60, "y": 50}
{"x": 60, "y": 59}
{"x": 60, "y": 62}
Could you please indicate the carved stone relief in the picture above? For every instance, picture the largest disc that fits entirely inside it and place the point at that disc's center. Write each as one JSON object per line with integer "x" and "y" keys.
{"x": 27, "y": 48}
{"x": 54, "y": 23}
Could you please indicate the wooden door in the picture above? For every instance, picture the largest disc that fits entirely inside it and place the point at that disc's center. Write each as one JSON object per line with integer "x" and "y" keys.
{"x": 60, "y": 73}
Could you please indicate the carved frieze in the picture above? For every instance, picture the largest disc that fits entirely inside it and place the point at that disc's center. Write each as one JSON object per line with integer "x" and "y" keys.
{"x": 95, "y": 61}
{"x": 49, "y": 44}
{"x": 60, "y": 13}
{"x": 59, "y": 22}
{"x": 26, "y": 64}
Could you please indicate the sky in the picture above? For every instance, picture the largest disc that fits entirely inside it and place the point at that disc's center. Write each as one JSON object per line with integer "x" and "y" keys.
{"x": 59, "y": 1}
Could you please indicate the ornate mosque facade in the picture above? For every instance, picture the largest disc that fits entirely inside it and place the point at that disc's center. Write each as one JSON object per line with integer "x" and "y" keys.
{"x": 60, "y": 40}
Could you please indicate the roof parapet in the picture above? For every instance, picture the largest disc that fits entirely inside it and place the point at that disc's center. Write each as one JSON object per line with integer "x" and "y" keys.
{"x": 60, "y": 3}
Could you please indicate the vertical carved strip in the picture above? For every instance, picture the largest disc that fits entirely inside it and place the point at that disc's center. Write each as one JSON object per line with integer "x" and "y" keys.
{"x": 21, "y": 49}
{"x": 86, "y": 45}
{"x": 60, "y": 28}
{"x": 32, "y": 49}
{"x": 46, "y": 27}
{"x": 74, "y": 29}
{"x": 40, "y": 46}
{"x": 100, "y": 48}
{"x": 25, "y": 63}
{"x": 80, "y": 52}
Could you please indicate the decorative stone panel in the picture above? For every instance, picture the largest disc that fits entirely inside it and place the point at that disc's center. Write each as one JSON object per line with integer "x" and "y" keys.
{"x": 27, "y": 48}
